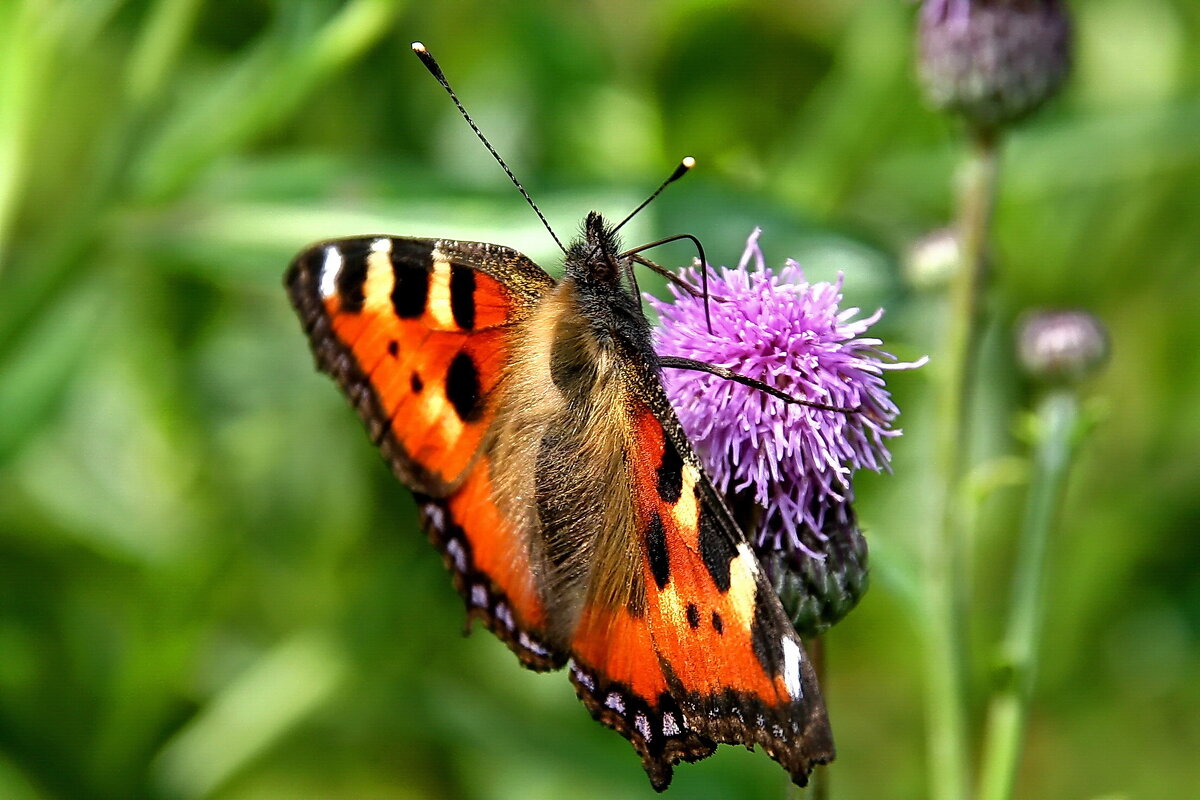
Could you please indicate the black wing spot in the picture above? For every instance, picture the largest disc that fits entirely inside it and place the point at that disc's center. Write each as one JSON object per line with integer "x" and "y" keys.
{"x": 411, "y": 265}
{"x": 716, "y": 550}
{"x": 768, "y": 646}
{"x": 670, "y": 474}
{"x": 393, "y": 348}
{"x": 656, "y": 548}
{"x": 351, "y": 280}
{"x": 416, "y": 383}
{"x": 462, "y": 387}
{"x": 718, "y": 624}
{"x": 693, "y": 616}
{"x": 462, "y": 296}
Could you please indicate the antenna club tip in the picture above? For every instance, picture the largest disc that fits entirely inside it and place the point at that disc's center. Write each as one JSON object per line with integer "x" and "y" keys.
{"x": 418, "y": 47}
{"x": 688, "y": 162}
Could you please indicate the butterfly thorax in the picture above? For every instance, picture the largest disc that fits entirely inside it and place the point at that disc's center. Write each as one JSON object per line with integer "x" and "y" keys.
{"x": 563, "y": 428}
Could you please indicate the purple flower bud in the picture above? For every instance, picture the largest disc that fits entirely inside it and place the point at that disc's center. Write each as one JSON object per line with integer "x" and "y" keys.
{"x": 932, "y": 260}
{"x": 791, "y": 463}
{"x": 993, "y": 61}
{"x": 1061, "y": 346}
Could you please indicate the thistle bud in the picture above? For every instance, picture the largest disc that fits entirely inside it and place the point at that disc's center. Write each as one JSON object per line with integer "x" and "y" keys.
{"x": 1061, "y": 346}
{"x": 932, "y": 260}
{"x": 820, "y": 584}
{"x": 993, "y": 61}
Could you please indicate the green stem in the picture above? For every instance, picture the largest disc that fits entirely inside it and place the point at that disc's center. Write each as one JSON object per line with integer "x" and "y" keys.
{"x": 947, "y": 543}
{"x": 1057, "y": 419}
{"x": 819, "y": 786}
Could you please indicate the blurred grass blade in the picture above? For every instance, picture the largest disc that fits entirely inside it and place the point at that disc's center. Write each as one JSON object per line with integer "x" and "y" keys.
{"x": 823, "y": 160}
{"x": 250, "y": 715}
{"x": 260, "y": 90}
{"x": 33, "y": 377}
{"x": 76, "y": 24}
{"x": 896, "y": 570}
{"x": 33, "y": 39}
{"x": 158, "y": 48}
{"x": 24, "y": 51}
{"x": 258, "y": 93}
{"x": 14, "y": 784}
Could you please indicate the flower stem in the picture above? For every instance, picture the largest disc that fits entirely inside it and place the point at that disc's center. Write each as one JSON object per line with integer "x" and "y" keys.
{"x": 1057, "y": 421}
{"x": 819, "y": 787}
{"x": 947, "y": 542}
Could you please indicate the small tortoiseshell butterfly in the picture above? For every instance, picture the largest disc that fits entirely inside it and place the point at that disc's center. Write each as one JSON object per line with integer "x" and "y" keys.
{"x": 528, "y": 417}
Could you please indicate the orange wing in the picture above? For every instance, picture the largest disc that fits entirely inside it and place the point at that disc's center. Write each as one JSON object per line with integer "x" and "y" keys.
{"x": 709, "y": 656}
{"x": 418, "y": 332}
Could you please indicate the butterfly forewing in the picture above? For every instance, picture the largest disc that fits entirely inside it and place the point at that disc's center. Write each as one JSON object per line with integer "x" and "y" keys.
{"x": 418, "y": 334}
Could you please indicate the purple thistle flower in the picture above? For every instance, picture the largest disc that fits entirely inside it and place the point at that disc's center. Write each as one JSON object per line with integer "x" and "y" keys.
{"x": 794, "y": 462}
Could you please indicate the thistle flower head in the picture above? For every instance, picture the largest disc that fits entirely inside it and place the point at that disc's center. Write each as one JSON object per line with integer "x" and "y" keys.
{"x": 790, "y": 464}
{"x": 788, "y": 333}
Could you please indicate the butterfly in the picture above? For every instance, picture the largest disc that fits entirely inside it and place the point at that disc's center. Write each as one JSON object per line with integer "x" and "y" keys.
{"x": 528, "y": 417}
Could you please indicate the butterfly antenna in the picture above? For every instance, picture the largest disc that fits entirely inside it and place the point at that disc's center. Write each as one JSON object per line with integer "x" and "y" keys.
{"x": 699, "y": 248}
{"x": 684, "y": 165}
{"x": 431, "y": 64}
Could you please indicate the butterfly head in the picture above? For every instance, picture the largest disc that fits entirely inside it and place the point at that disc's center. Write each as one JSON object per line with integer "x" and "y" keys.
{"x": 598, "y": 279}
{"x": 595, "y": 257}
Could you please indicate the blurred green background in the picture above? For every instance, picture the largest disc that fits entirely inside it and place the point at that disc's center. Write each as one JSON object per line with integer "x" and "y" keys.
{"x": 210, "y": 585}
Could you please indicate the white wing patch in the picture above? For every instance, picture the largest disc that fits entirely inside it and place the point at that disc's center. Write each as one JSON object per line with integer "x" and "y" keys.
{"x": 330, "y": 271}
{"x": 791, "y": 668}
{"x": 744, "y": 552}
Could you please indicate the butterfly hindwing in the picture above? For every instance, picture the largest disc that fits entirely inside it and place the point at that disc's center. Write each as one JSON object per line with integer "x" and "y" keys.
{"x": 418, "y": 333}
{"x": 486, "y": 556}
{"x": 706, "y": 653}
